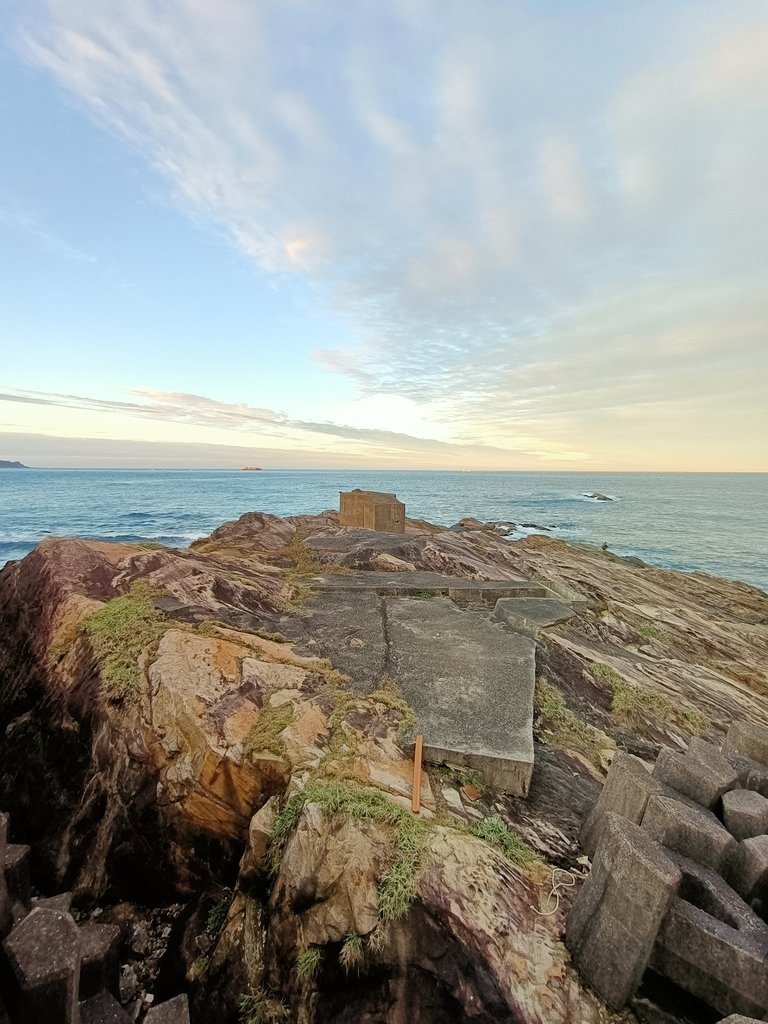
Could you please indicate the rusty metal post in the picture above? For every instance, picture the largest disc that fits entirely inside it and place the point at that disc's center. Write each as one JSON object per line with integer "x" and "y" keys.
{"x": 418, "y": 753}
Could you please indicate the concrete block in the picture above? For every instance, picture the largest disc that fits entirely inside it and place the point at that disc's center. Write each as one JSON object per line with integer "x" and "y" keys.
{"x": 43, "y": 953}
{"x": 100, "y": 959}
{"x": 713, "y": 945}
{"x": 613, "y": 923}
{"x": 691, "y": 831}
{"x": 747, "y": 869}
{"x": 531, "y": 614}
{"x": 18, "y": 874}
{"x": 751, "y": 775}
{"x": 703, "y": 782}
{"x": 748, "y": 739}
{"x": 62, "y": 902}
{"x": 103, "y": 1009}
{"x": 6, "y": 917}
{"x": 174, "y": 1011}
{"x": 626, "y": 792}
{"x": 745, "y": 813}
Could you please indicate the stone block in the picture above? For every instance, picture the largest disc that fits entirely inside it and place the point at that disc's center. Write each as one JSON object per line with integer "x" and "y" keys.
{"x": 747, "y": 869}
{"x": 702, "y": 782}
{"x": 103, "y": 1009}
{"x": 712, "y": 945}
{"x": 99, "y": 959}
{"x": 43, "y": 953}
{"x": 174, "y": 1011}
{"x": 739, "y": 1018}
{"x": 748, "y": 739}
{"x": 613, "y": 923}
{"x": 691, "y": 831}
{"x": 626, "y": 792}
{"x": 745, "y": 813}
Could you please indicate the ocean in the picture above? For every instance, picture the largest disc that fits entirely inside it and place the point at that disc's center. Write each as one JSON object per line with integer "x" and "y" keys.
{"x": 713, "y": 522}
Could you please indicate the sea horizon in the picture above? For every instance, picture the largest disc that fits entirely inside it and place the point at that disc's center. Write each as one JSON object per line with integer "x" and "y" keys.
{"x": 690, "y": 521}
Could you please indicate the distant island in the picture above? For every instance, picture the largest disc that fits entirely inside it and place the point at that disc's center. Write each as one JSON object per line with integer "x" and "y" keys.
{"x": 12, "y": 465}
{"x": 251, "y": 469}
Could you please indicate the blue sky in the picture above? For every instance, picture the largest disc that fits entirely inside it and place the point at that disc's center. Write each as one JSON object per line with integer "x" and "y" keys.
{"x": 416, "y": 234}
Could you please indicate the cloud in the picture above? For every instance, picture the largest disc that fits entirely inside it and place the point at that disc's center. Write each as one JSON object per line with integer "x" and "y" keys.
{"x": 533, "y": 222}
{"x": 254, "y": 425}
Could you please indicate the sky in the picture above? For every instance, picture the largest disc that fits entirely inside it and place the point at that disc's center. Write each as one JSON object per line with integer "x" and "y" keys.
{"x": 416, "y": 234}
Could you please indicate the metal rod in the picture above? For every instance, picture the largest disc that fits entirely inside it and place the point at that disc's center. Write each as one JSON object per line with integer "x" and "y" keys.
{"x": 418, "y": 752}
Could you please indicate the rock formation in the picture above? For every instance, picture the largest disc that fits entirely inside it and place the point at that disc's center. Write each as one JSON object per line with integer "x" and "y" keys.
{"x": 190, "y": 753}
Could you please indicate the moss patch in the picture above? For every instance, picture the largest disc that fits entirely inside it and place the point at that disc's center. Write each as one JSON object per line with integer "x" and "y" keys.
{"x": 631, "y": 703}
{"x": 562, "y": 727}
{"x": 265, "y": 735}
{"x": 120, "y": 631}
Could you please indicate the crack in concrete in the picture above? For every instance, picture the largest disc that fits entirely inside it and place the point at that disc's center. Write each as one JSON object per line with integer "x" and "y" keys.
{"x": 385, "y": 635}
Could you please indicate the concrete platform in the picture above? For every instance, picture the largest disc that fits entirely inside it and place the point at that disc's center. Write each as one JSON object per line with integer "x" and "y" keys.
{"x": 470, "y": 681}
{"x": 531, "y": 614}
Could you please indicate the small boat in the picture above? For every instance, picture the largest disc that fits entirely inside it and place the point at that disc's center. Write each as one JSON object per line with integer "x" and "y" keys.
{"x": 250, "y": 469}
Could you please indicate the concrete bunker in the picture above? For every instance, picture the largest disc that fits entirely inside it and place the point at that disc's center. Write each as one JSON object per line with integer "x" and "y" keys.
{"x": 371, "y": 510}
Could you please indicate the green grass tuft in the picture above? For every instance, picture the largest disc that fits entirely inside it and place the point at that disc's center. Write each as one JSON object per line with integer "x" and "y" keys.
{"x": 347, "y": 800}
{"x": 352, "y": 955}
{"x": 260, "y": 1008}
{"x": 308, "y": 960}
{"x": 119, "y": 633}
{"x": 493, "y": 830}
{"x": 651, "y": 632}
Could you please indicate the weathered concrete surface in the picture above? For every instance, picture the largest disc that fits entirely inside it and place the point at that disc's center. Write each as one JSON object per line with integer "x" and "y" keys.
{"x": 612, "y": 925}
{"x": 532, "y": 614}
{"x": 750, "y": 739}
{"x": 713, "y": 945}
{"x": 470, "y": 681}
{"x": 174, "y": 1011}
{"x": 44, "y": 955}
{"x": 745, "y": 813}
{"x": 704, "y": 782}
{"x": 691, "y": 831}
{"x": 430, "y": 584}
{"x": 626, "y": 792}
{"x": 747, "y": 871}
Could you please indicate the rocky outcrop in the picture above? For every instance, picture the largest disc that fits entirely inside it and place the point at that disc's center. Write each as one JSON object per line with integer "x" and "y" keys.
{"x": 165, "y": 744}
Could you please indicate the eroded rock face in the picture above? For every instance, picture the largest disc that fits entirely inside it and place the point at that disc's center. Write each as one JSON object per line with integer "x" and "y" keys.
{"x": 178, "y": 788}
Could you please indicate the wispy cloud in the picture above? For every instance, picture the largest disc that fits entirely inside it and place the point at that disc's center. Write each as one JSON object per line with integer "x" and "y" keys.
{"x": 539, "y": 224}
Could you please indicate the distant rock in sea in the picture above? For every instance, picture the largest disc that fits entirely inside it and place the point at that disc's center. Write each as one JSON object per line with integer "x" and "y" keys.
{"x": 597, "y": 496}
{"x": 12, "y": 465}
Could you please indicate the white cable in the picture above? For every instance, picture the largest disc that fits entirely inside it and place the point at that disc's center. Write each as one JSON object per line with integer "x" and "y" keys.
{"x": 554, "y": 892}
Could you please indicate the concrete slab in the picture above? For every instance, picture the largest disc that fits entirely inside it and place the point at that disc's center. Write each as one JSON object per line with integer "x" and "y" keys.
{"x": 470, "y": 681}
{"x": 429, "y": 585}
{"x": 531, "y": 614}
